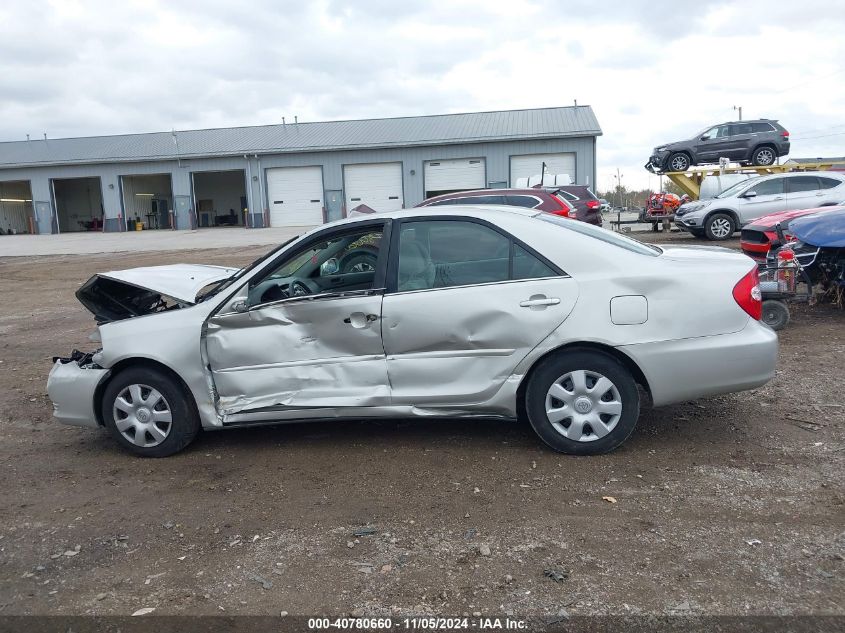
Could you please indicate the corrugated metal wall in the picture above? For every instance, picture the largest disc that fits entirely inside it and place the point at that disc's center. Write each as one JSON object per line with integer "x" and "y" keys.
{"x": 497, "y": 156}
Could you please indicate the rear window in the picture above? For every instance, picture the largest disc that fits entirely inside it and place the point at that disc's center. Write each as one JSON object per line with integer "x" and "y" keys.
{"x": 829, "y": 183}
{"x": 529, "y": 202}
{"x": 629, "y": 244}
{"x": 802, "y": 183}
{"x": 762, "y": 127}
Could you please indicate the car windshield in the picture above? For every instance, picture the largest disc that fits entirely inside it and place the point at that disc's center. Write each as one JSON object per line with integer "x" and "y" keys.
{"x": 604, "y": 235}
{"x": 733, "y": 190}
{"x": 216, "y": 287}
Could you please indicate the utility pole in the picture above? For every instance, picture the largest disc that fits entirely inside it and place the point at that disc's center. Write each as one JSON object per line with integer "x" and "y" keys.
{"x": 739, "y": 109}
{"x": 619, "y": 186}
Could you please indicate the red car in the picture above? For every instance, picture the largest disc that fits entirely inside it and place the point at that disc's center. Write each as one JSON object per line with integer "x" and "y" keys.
{"x": 756, "y": 238}
{"x": 551, "y": 200}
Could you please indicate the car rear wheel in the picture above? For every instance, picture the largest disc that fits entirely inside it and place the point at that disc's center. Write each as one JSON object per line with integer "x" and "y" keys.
{"x": 149, "y": 413}
{"x": 775, "y": 314}
{"x": 763, "y": 157}
{"x": 582, "y": 402}
{"x": 678, "y": 162}
{"x": 720, "y": 226}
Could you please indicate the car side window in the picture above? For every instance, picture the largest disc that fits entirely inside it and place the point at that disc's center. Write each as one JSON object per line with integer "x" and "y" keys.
{"x": 528, "y": 202}
{"x": 483, "y": 200}
{"x": 803, "y": 183}
{"x": 828, "y": 183}
{"x": 447, "y": 253}
{"x": 341, "y": 263}
{"x": 768, "y": 187}
{"x": 741, "y": 128}
{"x": 761, "y": 127}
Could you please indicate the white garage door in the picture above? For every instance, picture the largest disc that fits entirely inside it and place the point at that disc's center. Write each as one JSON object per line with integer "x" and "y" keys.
{"x": 457, "y": 174}
{"x": 530, "y": 165}
{"x": 378, "y": 185}
{"x": 295, "y": 195}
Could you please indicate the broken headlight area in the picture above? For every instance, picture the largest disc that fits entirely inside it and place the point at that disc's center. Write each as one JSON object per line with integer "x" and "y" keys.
{"x": 83, "y": 359}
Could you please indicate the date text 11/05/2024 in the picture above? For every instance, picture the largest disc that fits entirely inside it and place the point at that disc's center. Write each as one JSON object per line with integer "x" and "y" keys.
{"x": 421, "y": 624}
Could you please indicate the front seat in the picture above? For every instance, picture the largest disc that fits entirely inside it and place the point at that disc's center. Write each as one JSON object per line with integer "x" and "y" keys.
{"x": 416, "y": 270}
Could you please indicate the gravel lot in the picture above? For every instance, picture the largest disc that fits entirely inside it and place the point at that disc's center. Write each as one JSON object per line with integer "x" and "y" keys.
{"x": 729, "y": 505}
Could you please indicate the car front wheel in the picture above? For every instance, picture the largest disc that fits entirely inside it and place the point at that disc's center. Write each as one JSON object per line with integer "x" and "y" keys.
{"x": 678, "y": 162}
{"x": 720, "y": 226}
{"x": 149, "y": 413}
{"x": 582, "y": 402}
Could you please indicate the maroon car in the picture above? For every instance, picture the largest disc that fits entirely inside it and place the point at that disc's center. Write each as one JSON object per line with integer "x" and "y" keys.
{"x": 551, "y": 200}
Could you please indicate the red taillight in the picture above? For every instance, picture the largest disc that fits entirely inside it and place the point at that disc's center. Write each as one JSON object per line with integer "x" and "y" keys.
{"x": 593, "y": 204}
{"x": 785, "y": 134}
{"x": 748, "y": 296}
{"x": 786, "y": 255}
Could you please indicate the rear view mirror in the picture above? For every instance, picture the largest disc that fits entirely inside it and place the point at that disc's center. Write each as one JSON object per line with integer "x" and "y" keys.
{"x": 329, "y": 267}
{"x": 750, "y": 194}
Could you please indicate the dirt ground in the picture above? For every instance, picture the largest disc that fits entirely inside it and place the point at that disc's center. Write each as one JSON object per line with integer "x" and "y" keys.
{"x": 728, "y": 505}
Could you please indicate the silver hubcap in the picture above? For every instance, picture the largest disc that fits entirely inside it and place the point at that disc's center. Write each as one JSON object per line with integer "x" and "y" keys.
{"x": 679, "y": 163}
{"x": 142, "y": 415}
{"x": 720, "y": 227}
{"x": 765, "y": 157}
{"x": 583, "y": 405}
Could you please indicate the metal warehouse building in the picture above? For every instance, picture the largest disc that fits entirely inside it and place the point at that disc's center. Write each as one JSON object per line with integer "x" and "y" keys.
{"x": 294, "y": 174}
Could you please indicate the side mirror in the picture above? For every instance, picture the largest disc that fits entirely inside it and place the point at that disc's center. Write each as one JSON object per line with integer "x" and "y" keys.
{"x": 329, "y": 267}
{"x": 240, "y": 306}
{"x": 705, "y": 137}
{"x": 750, "y": 194}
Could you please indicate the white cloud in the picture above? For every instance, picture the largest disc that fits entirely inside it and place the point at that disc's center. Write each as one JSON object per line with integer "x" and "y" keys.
{"x": 653, "y": 70}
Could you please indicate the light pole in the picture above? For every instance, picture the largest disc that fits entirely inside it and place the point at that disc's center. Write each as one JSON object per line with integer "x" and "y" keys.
{"x": 739, "y": 109}
{"x": 618, "y": 177}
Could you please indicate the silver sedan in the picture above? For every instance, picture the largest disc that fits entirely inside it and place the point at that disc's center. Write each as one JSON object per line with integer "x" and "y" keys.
{"x": 432, "y": 312}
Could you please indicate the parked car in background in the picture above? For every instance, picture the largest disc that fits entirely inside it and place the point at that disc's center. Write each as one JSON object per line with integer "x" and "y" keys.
{"x": 758, "y": 142}
{"x": 549, "y": 200}
{"x": 737, "y": 206}
{"x": 586, "y": 202}
{"x": 756, "y": 238}
{"x": 604, "y": 205}
{"x": 472, "y": 311}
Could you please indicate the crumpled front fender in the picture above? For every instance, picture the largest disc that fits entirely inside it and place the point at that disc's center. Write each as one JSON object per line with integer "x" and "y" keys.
{"x": 72, "y": 388}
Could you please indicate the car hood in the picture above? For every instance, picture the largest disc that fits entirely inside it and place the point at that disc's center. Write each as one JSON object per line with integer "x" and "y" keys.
{"x": 826, "y": 230}
{"x": 769, "y": 222}
{"x": 122, "y": 294}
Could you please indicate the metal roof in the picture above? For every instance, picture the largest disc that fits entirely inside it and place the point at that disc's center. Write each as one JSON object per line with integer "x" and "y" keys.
{"x": 306, "y": 137}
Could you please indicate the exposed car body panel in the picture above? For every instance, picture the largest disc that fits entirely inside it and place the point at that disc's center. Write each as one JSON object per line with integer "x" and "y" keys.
{"x": 180, "y": 281}
{"x": 756, "y": 238}
{"x": 826, "y": 230}
{"x": 429, "y": 352}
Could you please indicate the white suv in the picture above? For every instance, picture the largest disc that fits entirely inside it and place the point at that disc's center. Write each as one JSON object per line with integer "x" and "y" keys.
{"x": 719, "y": 217}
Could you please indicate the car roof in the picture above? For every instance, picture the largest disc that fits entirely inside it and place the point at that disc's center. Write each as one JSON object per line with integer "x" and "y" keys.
{"x": 491, "y": 192}
{"x": 486, "y": 211}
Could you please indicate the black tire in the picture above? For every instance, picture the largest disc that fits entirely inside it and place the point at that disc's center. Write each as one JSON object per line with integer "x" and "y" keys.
{"x": 678, "y": 162}
{"x": 764, "y": 156}
{"x": 719, "y": 226}
{"x": 363, "y": 261}
{"x": 775, "y": 314}
{"x": 184, "y": 419}
{"x": 551, "y": 371}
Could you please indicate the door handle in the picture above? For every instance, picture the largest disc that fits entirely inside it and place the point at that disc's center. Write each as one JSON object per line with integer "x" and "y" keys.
{"x": 359, "y": 319}
{"x": 539, "y": 300}
{"x": 778, "y": 197}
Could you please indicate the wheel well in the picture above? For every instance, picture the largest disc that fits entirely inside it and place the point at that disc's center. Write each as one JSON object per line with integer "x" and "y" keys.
{"x": 133, "y": 363}
{"x": 726, "y": 212}
{"x": 769, "y": 145}
{"x": 621, "y": 357}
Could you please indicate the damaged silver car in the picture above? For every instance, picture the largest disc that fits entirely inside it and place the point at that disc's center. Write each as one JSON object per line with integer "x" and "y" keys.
{"x": 445, "y": 312}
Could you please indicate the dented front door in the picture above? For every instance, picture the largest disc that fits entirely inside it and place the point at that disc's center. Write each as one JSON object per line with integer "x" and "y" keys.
{"x": 323, "y": 351}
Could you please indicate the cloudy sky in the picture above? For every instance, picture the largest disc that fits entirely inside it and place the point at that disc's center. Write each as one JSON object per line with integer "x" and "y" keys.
{"x": 654, "y": 71}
